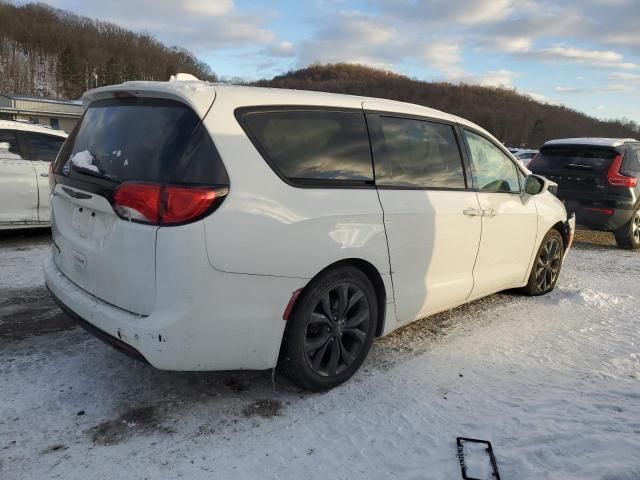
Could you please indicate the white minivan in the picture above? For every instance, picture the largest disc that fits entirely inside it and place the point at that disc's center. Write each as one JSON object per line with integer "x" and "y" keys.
{"x": 200, "y": 226}
{"x": 26, "y": 152}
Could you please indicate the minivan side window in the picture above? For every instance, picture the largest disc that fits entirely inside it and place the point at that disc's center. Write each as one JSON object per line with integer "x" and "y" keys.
{"x": 313, "y": 146}
{"x": 9, "y": 146}
{"x": 415, "y": 153}
{"x": 44, "y": 147}
{"x": 493, "y": 170}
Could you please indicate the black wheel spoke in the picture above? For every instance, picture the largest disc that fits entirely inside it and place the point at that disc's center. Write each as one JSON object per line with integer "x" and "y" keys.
{"x": 343, "y": 300}
{"x": 357, "y": 319}
{"x": 358, "y": 334}
{"x": 326, "y": 306}
{"x": 345, "y": 354}
{"x": 319, "y": 341}
{"x": 319, "y": 356}
{"x": 334, "y": 357}
{"x": 319, "y": 318}
{"x": 355, "y": 298}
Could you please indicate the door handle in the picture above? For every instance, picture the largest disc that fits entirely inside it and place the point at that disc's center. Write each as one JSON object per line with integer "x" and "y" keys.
{"x": 44, "y": 174}
{"x": 472, "y": 212}
{"x": 490, "y": 212}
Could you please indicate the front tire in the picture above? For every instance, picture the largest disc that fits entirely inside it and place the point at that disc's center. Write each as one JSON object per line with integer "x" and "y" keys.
{"x": 547, "y": 265}
{"x": 628, "y": 236}
{"x": 330, "y": 330}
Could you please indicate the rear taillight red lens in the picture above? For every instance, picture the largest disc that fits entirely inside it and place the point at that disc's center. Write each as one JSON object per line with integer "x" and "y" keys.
{"x": 182, "y": 204}
{"x": 164, "y": 204}
{"x": 617, "y": 179}
{"x": 138, "y": 202}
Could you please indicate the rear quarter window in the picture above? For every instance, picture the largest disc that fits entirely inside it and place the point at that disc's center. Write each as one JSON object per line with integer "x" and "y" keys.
{"x": 631, "y": 160}
{"x": 312, "y": 146}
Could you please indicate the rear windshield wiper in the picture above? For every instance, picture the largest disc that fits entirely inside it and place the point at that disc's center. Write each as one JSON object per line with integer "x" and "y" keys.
{"x": 86, "y": 165}
{"x": 92, "y": 173}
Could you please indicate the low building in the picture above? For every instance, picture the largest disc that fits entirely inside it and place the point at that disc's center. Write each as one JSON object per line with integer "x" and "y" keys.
{"x": 57, "y": 114}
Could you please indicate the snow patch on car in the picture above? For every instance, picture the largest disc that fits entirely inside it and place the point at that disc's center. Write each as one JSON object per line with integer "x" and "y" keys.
{"x": 84, "y": 160}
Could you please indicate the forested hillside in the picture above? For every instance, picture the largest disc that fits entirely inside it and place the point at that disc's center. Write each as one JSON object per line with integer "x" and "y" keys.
{"x": 54, "y": 53}
{"x": 514, "y": 118}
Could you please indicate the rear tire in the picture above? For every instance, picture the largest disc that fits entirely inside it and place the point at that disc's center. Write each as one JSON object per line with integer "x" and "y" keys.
{"x": 547, "y": 265}
{"x": 628, "y": 236}
{"x": 330, "y": 330}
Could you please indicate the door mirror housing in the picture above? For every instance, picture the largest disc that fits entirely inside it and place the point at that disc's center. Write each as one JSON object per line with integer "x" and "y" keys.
{"x": 535, "y": 185}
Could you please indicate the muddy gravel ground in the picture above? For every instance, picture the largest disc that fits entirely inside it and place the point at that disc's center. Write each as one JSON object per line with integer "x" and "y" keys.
{"x": 74, "y": 407}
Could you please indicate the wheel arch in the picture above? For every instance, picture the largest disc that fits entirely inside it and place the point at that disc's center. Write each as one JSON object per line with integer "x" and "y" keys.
{"x": 374, "y": 277}
{"x": 559, "y": 226}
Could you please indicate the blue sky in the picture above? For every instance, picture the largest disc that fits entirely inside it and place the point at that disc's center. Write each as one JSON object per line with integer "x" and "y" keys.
{"x": 581, "y": 53}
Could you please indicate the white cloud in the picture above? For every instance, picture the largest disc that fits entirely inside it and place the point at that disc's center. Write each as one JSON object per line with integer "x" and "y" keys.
{"x": 200, "y": 25}
{"x": 590, "y": 58}
{"x": 495, "y": 78}
{"x": 280, "y": 49}
{"x": 447, "y": 12}
{"x": 207, "y": 7}
{"x": 357, "y": 38}
{"x": 484, "y": 11}
{"x": 445, "y": 57}
{"x": 538, "y": 97}
{"x": 509, "y": 44}
{"x": 624, "y": 77}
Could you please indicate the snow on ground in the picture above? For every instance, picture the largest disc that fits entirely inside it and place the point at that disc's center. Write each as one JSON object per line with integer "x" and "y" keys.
{"x": 553, "y": 382}
{"x": 21, "y": 257}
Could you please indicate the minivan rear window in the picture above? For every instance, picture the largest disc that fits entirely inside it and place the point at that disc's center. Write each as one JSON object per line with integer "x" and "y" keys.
{"x": 574, "y": 159}
{"x": 313, "y": 146}
{"x": 142, "y": 139}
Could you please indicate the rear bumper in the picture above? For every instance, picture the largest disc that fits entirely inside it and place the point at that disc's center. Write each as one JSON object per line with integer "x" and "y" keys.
{"x": 116, "y": 343}
{"x": 603, "y": 220}
{"x": 237, "y": 324}
{"x": 606, "y": 217}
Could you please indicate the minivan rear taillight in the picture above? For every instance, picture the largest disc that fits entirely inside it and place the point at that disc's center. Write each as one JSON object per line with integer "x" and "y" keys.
{"x": 159, "y": 204}
{"x": 617, "y": 179}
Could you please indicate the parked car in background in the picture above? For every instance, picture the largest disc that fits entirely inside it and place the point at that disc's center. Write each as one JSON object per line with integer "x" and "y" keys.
{"x": 26, "y": 152}
{"x": 215, "y": 227}
{"x": 525, "y": 156}
{"x": 513, "y": 150}
{"x": 597, "y": 179}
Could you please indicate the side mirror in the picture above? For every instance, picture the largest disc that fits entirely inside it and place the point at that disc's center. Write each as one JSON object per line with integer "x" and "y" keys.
{"x": 535, "y": 185}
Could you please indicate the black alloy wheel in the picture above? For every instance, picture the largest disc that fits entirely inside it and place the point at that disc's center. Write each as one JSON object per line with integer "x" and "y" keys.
{"x": 547, "y": 265}
{"x": 330, "y": 330}
{"x": 337, "y": 330}
{"x": 628, "y": 236}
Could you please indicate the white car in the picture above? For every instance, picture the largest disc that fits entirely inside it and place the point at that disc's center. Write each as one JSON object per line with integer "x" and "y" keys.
{"x": 525, "y": 156}
{"x": 26, "y": 152}
{"x": 214, "y": 227}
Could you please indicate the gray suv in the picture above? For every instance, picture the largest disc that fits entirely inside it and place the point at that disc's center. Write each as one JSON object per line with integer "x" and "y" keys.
{"x": 598, "y": 179}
